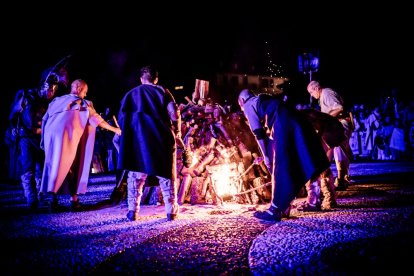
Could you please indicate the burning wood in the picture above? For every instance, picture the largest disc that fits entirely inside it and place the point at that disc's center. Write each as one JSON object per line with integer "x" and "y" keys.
{"x": 222, "y": 163}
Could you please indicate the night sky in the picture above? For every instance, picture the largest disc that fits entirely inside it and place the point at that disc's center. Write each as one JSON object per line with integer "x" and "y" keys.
{"x": 362, "y": 53}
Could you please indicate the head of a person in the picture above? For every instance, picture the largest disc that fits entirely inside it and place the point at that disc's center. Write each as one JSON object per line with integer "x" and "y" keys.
{"x": 244, "y": 95}
{"x": 79, "y": 88}
{"x": 314, "y": 89}
{"x": 49, "y": 86}
{"x": 377, "y": 112}
{"x": 148, "y": 74}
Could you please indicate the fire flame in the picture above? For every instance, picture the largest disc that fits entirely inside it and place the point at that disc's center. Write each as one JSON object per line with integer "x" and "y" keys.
{"x": 225, "y": 177}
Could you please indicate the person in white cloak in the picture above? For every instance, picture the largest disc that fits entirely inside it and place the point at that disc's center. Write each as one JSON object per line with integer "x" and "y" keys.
{"x": 68, "y": 136}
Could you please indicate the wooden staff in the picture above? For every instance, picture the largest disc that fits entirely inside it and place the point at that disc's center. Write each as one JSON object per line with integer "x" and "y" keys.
{"x": 253, "y": 189}
{"x": 115, "y": 121}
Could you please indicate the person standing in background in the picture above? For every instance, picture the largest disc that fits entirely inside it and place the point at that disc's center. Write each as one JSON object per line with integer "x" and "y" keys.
{"x": 332, "y": 103}
{"x": 26, "y": 156}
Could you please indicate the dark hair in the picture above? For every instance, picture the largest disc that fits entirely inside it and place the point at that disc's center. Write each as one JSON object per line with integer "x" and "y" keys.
{"x": 148, "y": 73}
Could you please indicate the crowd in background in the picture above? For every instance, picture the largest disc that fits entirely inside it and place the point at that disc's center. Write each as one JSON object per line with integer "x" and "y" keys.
{"x": 384, "y": 132}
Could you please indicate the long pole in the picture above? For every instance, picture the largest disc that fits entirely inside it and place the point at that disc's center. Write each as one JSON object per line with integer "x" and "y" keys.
{"x": 310, "y": 79}
{"x": 253, "y": 189}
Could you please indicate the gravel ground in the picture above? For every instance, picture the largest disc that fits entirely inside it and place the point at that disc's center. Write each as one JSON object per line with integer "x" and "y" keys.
{"x": 370, "y": 232}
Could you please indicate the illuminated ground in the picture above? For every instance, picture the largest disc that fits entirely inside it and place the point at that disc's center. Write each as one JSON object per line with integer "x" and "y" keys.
{"x": 369, "y": 232}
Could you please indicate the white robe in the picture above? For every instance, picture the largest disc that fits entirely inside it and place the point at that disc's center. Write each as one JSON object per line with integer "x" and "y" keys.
{"x": 68, "y": 136}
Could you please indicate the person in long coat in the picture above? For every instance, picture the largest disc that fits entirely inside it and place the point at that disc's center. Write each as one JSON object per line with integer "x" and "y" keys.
{"x": 151, "y": 125}
{"x": 68, "y": 136}
{"x": 291, "y": 147}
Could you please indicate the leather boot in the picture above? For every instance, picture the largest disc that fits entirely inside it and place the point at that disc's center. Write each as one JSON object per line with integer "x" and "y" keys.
{"x": 54, "y": 206}
{"x": 328, "y": 191}
{"x": 313, "y": 201}
{"x": 271, "y": 214}
{"x": 314, "y": 192}
{"x": 29, "y": 188}
{"x": 135, "y": 184}
{"x": 171, "y": 217}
